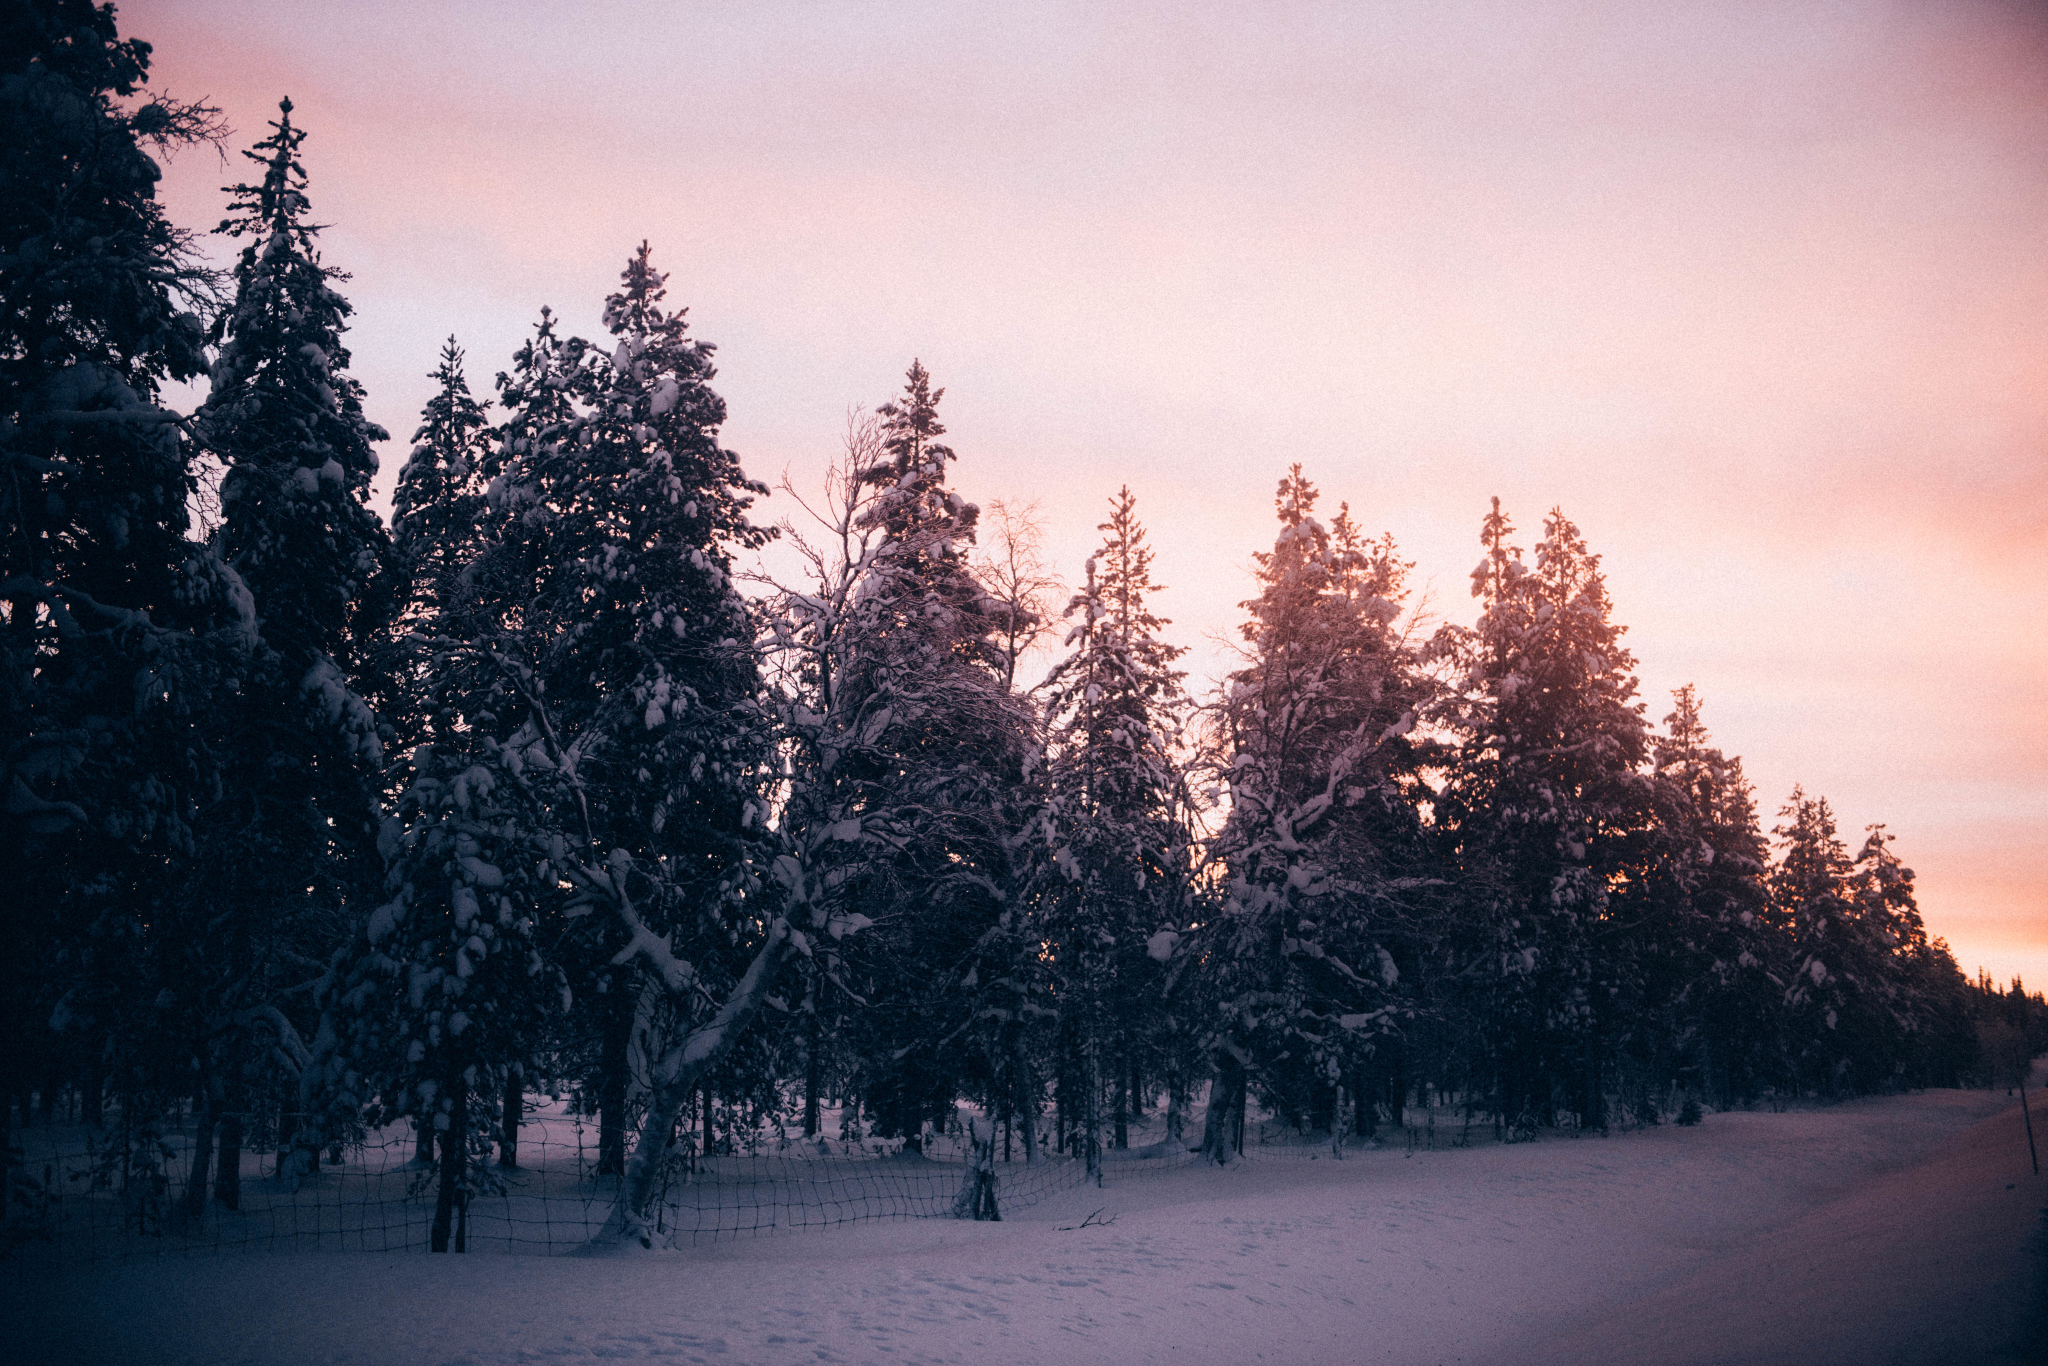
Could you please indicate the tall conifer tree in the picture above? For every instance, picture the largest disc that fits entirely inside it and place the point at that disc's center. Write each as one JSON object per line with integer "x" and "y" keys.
{"x": 445, "y": 992}
{"x": 1114, "y": 866}
{"x": 114, "y": 627}
{"x": 439, "y": 498}
{"x": 1811, "y": 902}
{"x": 1547, "y": 815}
{"x": 621, "y": 658}
{"x": 922, "y": 753}
{"x": 1321, "y": 843}
{"x": 1713, "y": 955}
{"x": 291, "y": 835}
{"x": 286, "y": 418}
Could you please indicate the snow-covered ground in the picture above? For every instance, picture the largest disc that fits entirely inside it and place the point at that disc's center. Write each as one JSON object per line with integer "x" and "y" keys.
{"x": 1907, "y": 1229}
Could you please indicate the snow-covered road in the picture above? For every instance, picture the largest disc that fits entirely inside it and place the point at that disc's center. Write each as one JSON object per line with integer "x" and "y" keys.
{"x": 1942, "y": 1261}
{"x": 1903, "y": 1230}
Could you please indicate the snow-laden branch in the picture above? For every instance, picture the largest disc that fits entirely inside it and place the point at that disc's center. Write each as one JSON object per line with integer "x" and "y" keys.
{"x": 22, "y": 802}
{"x": 676, "y": 974}
{"x": 290, "y": 1045}
{"x": 141, "y": 417}
{"x": 59, "y": 599}
{"x": 1289, "y": 826}
{"x": 675, "y": 1082}
{"x": 564, "y": 757}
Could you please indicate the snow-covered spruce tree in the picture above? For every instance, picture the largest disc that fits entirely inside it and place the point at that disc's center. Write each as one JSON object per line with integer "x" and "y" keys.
{"x": 1110, "y": 883}
{"x": 435, "y": 528}
{"x": 440, "y": 1001}
{"x": 1933, "y": 1010}
{"x": 1810, "y": 902}
{"x": 1713, "y": 959}
{"x": 1546, "y": 816}
{"x": 605, "y": 600}
{"x": 293, "y": 831}
{"x": 945, "y": 781}
{"x": 1325, "y": 874}
{"x": 114, "y": 628}
{"x": 1865, "y": 988}
{"x": 908, "y": 758}
{"x": 545, "y": 397}
{"x": 433, "y": 1010}
{"x": 1919, "y": 1018}
{"x": 287, "y": 420}
{"x": 440, "y": 490}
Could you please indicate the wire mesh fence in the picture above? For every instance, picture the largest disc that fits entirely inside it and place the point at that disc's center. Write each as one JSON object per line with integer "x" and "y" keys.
{"x": 118, "y": 1191}
{"x": 124, "y": 1189}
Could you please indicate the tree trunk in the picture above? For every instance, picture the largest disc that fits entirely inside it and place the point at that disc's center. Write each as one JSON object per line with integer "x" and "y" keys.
{"x": 423, "y": 1141}
{"x": 977, "y": 1197}
{"x": 202, "y": 1166}
{"x": 1593, "y": 1111}
{"x": 814, "y": 1078}
{"x": 305, "y": 1158}
{"x": 675, "y": 1083}
{"x": 227, "y": 1179}
{"x": 1359, "y": 1092}
{"x": 52, "y": 1084}
{"x": 508, "y": 1120}
{"x": 202, "y": 1143}
{"x": 1091, "y": 1110}
{"x": 612, "y": 1081}
{"x": 1062, "y": 1110}
{"x": 1025, "y": 1102}
{"x": 454, "y": 1147}
{"x": 1223, "y": 1126}
{"x": 1122, "y": 1119}
{"x": 814, "y": 1075}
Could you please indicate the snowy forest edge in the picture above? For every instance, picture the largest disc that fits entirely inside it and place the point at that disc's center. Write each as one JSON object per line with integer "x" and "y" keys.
{"x": 531, "y": 790}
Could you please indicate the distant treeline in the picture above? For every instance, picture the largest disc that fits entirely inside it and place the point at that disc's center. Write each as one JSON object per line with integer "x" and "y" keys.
{"x": 313, "y": 823}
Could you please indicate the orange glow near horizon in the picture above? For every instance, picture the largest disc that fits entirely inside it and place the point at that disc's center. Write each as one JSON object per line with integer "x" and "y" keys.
{"x": 1756, "y": 293}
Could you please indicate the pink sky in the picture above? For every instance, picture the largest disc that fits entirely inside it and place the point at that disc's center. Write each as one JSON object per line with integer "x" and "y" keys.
{"x": 1757, "y": 293}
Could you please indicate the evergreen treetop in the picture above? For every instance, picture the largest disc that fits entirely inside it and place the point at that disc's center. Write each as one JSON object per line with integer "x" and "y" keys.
{"x": 1315, "y": 741}
{"x": 441, "y": 485}
{"x": 287, "y": 419}
{"x": 923, "y": 581}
